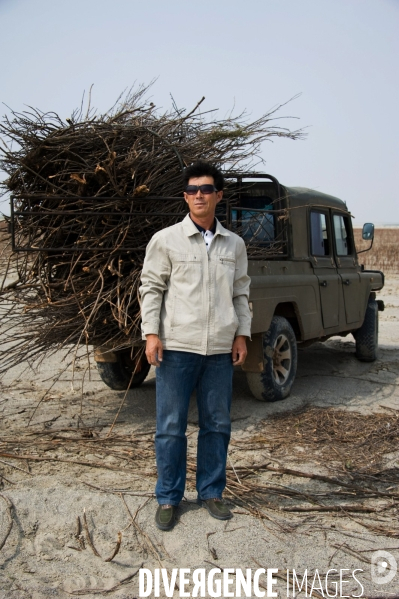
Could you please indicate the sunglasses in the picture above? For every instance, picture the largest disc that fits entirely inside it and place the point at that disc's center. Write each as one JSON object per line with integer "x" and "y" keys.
{"x": 192, "y": 190}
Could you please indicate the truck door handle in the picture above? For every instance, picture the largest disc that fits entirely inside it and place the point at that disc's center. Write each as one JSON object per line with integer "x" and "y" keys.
{"x": 347, "y": 282}
{"x": 323, "y": 283}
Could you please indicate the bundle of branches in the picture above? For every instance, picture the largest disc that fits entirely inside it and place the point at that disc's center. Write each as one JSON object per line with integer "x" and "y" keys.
{"x": 88, "y": 195}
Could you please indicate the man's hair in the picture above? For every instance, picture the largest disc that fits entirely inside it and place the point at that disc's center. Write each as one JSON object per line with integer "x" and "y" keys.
{"x": 203, "y": 169}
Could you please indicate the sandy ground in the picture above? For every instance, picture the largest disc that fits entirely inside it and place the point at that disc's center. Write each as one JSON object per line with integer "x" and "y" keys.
{"x": 64, "y": 434}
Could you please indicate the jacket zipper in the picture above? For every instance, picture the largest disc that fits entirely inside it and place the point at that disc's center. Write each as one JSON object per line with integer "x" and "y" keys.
{"x": 209, "y": 265}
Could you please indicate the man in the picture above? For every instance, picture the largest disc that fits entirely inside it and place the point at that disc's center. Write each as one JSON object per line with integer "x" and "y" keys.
{"x": 195, "y": 319}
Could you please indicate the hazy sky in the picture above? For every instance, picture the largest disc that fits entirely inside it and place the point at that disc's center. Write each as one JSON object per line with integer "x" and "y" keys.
{"x": 341, "y": 55}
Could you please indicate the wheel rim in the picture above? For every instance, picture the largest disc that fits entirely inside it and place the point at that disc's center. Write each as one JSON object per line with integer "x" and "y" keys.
{"x": 282, "y": 359}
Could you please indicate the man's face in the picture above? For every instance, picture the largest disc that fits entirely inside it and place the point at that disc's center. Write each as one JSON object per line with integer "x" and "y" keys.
{"x": 202, "y": 206}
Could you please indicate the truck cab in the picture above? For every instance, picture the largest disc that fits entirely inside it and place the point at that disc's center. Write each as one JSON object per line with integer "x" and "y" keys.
{"x": 306, "y": 281}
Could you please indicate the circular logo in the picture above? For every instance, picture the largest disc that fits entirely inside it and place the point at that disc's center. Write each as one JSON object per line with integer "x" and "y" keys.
{"x": 383, "y": 567}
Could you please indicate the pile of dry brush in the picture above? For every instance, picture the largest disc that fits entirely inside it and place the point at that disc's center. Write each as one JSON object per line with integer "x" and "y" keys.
{"x": 87, "y": 196}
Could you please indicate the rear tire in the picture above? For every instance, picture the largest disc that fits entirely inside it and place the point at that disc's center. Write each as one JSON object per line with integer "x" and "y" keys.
{"x": 118, "y": 375}
{"x": 367, "y": 336}
{"x": 280, "y": 363}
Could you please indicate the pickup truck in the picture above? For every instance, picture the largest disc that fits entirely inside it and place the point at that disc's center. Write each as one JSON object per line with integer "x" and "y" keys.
{"x": 306, "y": 283}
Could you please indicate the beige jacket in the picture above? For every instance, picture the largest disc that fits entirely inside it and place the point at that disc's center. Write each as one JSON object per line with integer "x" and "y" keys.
{"x": 195, "y": 300}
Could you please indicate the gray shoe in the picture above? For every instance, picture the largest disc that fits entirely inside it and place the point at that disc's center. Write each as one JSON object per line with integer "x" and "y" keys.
{"x": 217, "y": 508}
{"x": 165, "y": 518}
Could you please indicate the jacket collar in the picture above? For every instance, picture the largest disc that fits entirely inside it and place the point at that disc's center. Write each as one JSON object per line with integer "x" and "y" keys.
{"x": 190, "y": 228}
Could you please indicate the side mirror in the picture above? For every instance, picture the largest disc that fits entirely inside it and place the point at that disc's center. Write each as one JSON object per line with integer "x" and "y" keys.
{"x": 368, "y": 231}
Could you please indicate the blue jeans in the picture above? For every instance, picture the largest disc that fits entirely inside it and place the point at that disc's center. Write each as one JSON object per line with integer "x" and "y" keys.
{"x": 176, "y": 378}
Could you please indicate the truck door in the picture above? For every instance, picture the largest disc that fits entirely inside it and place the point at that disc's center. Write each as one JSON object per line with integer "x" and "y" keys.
{"x": 324, "y": 266}
{"x": 345, "y": 256}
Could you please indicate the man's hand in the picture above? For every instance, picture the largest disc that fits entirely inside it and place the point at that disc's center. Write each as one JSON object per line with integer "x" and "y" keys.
{"x": 239, "y": 351}
{"x": 154, "y": 350}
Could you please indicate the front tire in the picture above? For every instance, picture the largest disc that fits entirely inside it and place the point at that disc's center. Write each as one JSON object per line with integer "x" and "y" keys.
{"x": 367, "y": 336}
{"x": 118, "y": 375}
{"x": 280, "y": 358}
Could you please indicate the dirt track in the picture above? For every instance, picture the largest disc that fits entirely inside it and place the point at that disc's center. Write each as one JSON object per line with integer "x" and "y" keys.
{"x": 60, "y": 461}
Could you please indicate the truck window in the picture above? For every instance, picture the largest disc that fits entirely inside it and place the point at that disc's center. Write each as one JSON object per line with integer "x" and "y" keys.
{"x": 257, "y": 224}
{"x": 343, "y": 242}
{"x": 319, "y": 234}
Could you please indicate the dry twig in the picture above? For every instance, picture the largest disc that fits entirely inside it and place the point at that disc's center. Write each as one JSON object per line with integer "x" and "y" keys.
{"x": 10, "y": 520}
{"x": 89, "y": 539}
{"x": 116, "y": 550}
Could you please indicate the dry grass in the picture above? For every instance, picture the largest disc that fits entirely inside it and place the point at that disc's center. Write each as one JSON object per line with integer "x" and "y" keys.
{"x": 384, "y": 255}
{"x": 341, "y": 441}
